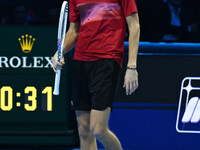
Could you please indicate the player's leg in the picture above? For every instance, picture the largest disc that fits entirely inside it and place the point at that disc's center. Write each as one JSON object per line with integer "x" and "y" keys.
{"x": 81, "y": 102}
{"x": 102, "y": 84}
{"x": 87, "y": 139}
{"x": 99, "y": 127}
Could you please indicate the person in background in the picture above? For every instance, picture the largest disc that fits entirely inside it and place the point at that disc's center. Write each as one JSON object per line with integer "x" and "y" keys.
{"x": 195, "y": 5}
{"x": 177, "y": 22}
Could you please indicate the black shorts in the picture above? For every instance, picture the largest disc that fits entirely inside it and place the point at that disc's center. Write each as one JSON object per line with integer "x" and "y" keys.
{"x": 94, "y": 84}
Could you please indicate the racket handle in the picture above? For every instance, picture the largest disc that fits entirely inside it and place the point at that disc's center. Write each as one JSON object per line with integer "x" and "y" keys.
{"x": 57, "y": 83}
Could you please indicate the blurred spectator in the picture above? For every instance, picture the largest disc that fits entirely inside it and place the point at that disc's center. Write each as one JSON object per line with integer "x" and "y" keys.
{"x": 52, "y": 16}
{"x": 160, "y": 20}
{"x": 196, "y": 13}
{"x": 4, "y": 17}
{"x": 30, "y": 17}
{"x": 177, "y": 21}
{"x": 20, "y": 14}
{"x": 167, "y": 20}
{"x": 29, "y": 12}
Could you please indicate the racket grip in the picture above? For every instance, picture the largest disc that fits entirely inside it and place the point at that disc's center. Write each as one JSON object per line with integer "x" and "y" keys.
{"x": 57, "y": 83}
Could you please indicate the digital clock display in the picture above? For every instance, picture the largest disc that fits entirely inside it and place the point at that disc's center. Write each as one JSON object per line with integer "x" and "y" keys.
{"x": 27, "y": 104}
{"x": 30, "y": 98}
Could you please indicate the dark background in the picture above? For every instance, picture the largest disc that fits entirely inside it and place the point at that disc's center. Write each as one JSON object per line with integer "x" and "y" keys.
{"x": 153, "y": 18}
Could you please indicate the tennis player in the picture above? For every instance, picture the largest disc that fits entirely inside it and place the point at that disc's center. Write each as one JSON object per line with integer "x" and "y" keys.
{"x": 98, "y": 27}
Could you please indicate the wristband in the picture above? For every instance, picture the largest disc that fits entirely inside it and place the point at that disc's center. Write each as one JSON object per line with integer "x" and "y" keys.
{"x": 130, "y": 68}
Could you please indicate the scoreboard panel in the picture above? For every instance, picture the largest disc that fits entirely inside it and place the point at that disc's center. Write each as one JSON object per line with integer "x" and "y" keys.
{"x": 27, "y": 105}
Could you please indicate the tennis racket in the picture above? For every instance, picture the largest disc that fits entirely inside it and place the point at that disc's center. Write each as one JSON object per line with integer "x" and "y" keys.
{"x": 61, "y": 38}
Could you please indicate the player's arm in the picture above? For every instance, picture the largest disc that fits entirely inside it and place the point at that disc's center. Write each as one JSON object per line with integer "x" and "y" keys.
{"x": 134, "y": 35}
{"x": 71, "y": 37}
{"x": 131, "y": 77}
{"x": 70, "y": 40}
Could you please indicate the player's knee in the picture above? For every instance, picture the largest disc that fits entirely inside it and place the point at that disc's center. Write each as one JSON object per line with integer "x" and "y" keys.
{"x": 84, "y": 131}
{"x": 98, "y": 131}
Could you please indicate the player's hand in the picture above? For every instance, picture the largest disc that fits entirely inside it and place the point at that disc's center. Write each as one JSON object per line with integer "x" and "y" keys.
{"x": 56, "y": 64}
{"x": 130, "y": 81}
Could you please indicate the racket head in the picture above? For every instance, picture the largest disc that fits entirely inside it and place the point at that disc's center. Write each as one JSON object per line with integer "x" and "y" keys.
{"x": 60, "y": 42}
{"x": 62, "y": 29}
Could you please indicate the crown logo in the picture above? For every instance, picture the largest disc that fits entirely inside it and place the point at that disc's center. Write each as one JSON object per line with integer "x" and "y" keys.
{"x": 26, "y": 43}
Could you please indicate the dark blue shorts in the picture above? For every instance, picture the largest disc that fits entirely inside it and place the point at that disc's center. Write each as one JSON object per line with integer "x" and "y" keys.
{"x": 94, "y": 84}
